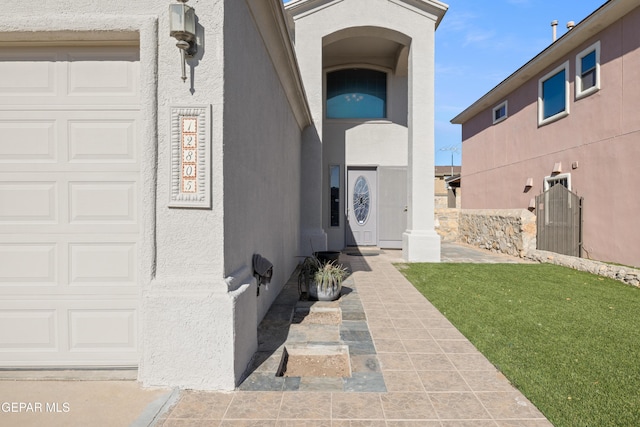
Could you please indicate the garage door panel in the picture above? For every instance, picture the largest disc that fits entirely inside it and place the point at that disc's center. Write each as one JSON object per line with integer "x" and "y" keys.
{"x": 70, "y": 75}
{"x": 95, "y": 140}
{"x": 69, "y": 332}
{"x": 28, "y": 330}
{"x": 29, "y": 264}
{"x": 102, "y": 263}
{"x": 25, "y": 77}
{"x": 88, "y": 77}
{"x": 37, "y": 137}
{"x": 88, "y": 203}
{"x": 110, "y": 71}
{"x": 69, "y": 206}
{"x": 102, "y": 330}
{"x": 46, "y": 232}
{"x": 106, "y": 201}
{"x": 28, "y": 140}
{"x": 28, "y": 202}
{"x": 67, "y": 265}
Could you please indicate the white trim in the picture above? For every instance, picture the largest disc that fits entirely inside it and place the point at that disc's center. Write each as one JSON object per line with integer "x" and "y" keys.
{"x": 541, "y": 120}
{"x": 504, "y": 104}
{"x": 583, "y": 93}
{"x": 547, "y": 179}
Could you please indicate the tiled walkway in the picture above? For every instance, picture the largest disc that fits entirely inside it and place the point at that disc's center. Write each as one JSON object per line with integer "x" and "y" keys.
{"x": 312, "y": 327}
{"x": 422, "y": 371}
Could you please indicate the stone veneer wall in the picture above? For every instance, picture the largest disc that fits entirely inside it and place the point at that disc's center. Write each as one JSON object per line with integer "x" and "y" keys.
{"x": 628, "y": 275}
{"x": 446, "y": 223}
{"x": 441, "y": 202}
{"x": 508, "y": 231}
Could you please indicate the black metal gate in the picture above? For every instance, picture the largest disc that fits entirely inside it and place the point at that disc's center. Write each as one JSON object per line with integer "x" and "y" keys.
{"x": 559, "y": 221}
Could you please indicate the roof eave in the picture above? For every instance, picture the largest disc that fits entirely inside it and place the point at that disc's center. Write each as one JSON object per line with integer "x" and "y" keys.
{"x": 435, "y": 8}
{"x": 280, "y": 47}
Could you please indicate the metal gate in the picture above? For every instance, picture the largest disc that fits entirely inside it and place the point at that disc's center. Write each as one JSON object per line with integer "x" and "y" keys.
{"x": 559, "y": 221}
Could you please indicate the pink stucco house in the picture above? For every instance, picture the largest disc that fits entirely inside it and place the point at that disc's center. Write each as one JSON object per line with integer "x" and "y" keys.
{"x": 569, "y": 116}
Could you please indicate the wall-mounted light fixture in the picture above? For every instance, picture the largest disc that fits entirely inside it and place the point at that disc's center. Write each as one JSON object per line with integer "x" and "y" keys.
{"x": 182, "y": 26}
{"x": 557, "y": 167}
{"x": 529, "y": 182}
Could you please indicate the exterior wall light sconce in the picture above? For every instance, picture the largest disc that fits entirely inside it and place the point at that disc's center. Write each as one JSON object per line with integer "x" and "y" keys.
{"x": 182, "y": 26}
{"x": 557, "y": 167}
{"x": 529, "y": 182}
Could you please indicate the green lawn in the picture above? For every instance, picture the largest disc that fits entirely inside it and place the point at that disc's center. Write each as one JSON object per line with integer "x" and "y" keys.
{"x": 570, "y": 341}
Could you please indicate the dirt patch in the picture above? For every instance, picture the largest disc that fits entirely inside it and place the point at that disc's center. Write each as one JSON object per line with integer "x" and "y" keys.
{"x": 322, "y": 316}
{"x": 315, "y": 361}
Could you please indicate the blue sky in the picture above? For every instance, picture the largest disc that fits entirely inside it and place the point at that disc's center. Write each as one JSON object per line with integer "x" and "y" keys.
{"x": 480, "y": 43}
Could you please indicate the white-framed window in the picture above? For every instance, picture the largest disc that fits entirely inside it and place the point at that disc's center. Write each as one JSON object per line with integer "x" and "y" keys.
{"x": 560, "y": 179}
{"x": 553, "y": 95}
{"x": 588, "y": 71}
{"x": 500, "y": 112}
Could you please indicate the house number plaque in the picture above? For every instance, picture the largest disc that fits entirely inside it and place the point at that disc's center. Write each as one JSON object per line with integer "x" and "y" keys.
{"x": 190, "y": 157}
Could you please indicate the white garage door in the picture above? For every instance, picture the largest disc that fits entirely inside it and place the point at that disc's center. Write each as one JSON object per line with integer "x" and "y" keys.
{"x": 69, "y": 206}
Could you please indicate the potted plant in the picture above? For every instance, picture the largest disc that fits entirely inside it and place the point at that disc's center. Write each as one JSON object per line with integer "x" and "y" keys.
{"x": 327, "y": 281}
{"x": 306, "y": 274}
{"x": 322, "y": 279}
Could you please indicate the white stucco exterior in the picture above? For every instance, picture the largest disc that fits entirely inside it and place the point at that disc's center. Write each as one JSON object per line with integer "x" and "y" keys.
{"x": 199, "y": 307}
{"x": 325, "y": 33}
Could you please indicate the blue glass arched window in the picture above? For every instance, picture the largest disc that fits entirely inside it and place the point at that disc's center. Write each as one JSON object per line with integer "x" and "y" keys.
{"x": 356, "y": 94}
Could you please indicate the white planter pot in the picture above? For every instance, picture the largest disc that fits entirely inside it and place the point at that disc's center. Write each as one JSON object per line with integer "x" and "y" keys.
{"x": 330, "y": 293}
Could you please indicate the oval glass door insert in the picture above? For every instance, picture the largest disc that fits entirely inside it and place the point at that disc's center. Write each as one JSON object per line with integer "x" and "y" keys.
{"x": 361, "y": 200}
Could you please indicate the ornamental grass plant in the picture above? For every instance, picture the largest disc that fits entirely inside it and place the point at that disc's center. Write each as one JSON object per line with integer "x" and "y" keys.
{"x": 568, "y": 340}
{"x": 329, "y": 275}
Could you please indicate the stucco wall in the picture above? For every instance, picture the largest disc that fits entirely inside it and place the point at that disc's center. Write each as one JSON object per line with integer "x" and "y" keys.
{"x": 180, "y": 255}
{"x": 380, "y": 144}
{"x": 199, "y": 309}
{"x": 596, "y": 143}
{"x": 414, "y": 28}
{"x": 189, "y": 293}
{"x": 349, "y": 143}
{"x": 261, "y": 159}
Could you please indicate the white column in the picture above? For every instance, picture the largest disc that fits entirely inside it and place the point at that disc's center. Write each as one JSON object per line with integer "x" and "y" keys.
{"x": 420, "y": 242}
{"x": 309, "y": 51}
{"x": 312, "y": 235}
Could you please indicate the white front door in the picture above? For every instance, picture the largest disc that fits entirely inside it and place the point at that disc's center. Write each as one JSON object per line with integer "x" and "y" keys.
{"x": 362, "y": 206}
{"x": 69, "y": 206}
